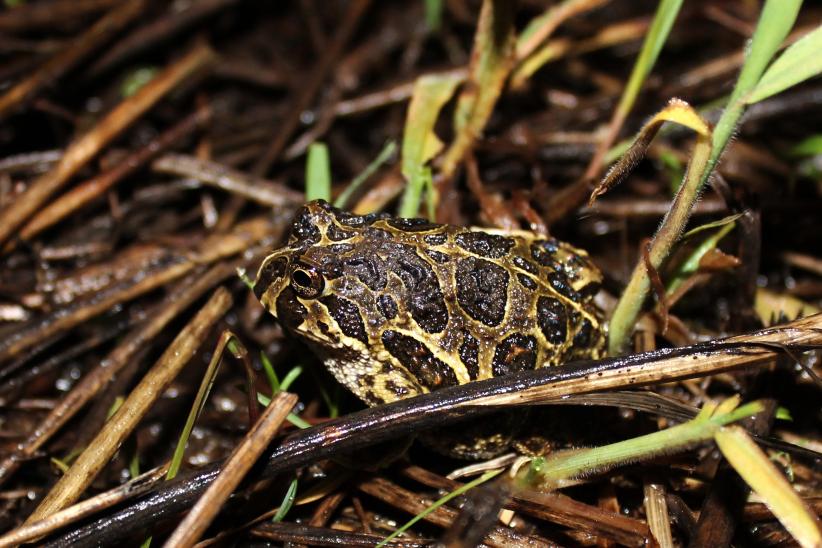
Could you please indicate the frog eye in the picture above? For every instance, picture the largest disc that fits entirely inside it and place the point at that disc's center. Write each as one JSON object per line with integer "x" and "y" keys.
{"x": 307, "y": 281}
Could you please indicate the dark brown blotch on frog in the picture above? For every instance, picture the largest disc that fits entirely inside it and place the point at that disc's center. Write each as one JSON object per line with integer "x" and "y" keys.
{"x": 413, "y": 225}
{"x": 418, "y": 359}
{"x": 424, "y": 298}
{"x": 469, "y": 355}
{"x": 369, "y": 269}
{"x": 347, "y": 315}
{"x": 289, "y": 309}
{"x": 436, "y": 239}
{"x": 526, "y": 265}
{"x": 337, "y": 234}
{"x": 515, "y": 353}
{"x": 388, "y": 307}
{"x": 553, "y": 320}
{"x": 527, "y": 282}
{"x": 483, "y": 244}
{"x": 437, "y": 256}
{"x": 482, "y": 290}
{"x": 269, "y": 274}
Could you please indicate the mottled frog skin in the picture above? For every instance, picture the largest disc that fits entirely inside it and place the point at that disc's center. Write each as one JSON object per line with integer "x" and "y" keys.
{"x": 400, "y": 307}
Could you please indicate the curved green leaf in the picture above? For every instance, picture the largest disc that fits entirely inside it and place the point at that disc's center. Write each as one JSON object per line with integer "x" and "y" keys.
{"x": 800, "y": 61}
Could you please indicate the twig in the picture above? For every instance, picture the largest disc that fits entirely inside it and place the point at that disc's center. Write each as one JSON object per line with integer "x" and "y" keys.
{"x": 256, "y": 189}
{"x": 172, "y": 266}
{"x": 97, "y": 454}
{"x": 178, "y": 18}
{"x": 557, "y": 508}
{"x": 245, "y": 454}
{"x": 116, "y": 360}
{"x": 82, "y": 194}
{"x": 309, "y": 89}
{"x": 319, "y": 536}
{"x": 450, "y": 405}
{"x": 88, "y": 145}
{"x": 35, "y": 15}
{"x": 38, "y": 529}
{"x": 61, "y": 63}
{"x": 443, "y": 516}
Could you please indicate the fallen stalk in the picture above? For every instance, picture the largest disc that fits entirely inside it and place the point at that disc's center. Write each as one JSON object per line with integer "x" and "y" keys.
{"x": 547, "y": 473}
{"x": 71, "y": 486}
{"x": 378, "y": 424}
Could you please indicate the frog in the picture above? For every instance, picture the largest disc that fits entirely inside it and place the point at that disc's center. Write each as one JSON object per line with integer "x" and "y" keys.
{"x": 397, "y": 307}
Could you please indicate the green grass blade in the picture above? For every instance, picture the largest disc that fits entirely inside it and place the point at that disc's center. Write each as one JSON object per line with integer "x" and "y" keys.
{"x": 199, "y": 402}
{"x": 775, "y": 22}
{"x": 134, "y": 466}
{"x": 248, "y": 282}
{"x": 60, "y": 464}
{"x": 332, "y": 400}
{"x": 630, "y": 302}
{"x": 455, "y": 493}
{"x": 298, "y": 421}
{"x": 136, "y": 80}
{"x": 290, "y": 377}
{"x": 810, "y": 146}
{"x": 385, "y": 154}
{"x": 277, "y": 386}
{"x": 719, "y": 223}
{"x": 632, "y": 299}
{"x": 287, "y": 503}
{"x": 800, "y": 61}
{"x": 317, "y": 173}
{"x": 295, "y": 420}
{"x": 270, "y": 374}
{"x": 657, "y": 35}
{"x": 118, "y": 402}
{"x": 655, "y": 39}
{"x": 433, "y": 14}
{"x": 691, "y": 264}
{"x": 761, "y": 474}
{"x": 419, "y": 142}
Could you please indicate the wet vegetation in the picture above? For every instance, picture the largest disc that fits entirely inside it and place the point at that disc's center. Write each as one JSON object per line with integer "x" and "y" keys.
{"x": 153, "y": 153}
